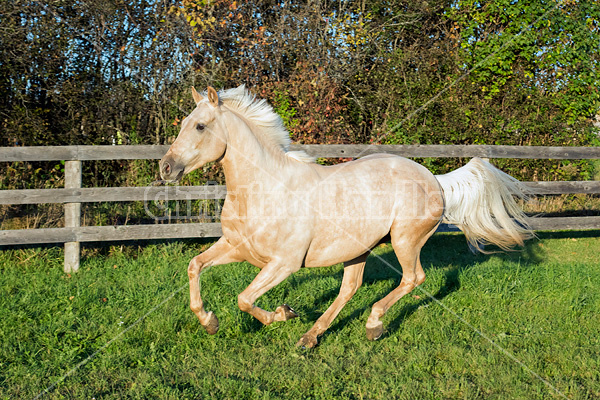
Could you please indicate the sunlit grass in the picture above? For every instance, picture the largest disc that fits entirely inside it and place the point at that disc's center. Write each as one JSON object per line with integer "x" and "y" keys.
{"x": 539, "y": 305}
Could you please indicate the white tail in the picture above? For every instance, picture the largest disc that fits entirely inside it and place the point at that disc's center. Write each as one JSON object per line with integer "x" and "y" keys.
{"x": 479, "y": 201}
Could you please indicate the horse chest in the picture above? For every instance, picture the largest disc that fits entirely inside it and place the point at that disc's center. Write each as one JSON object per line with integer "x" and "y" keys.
{"x": 261, "y": 238}
{"x": 241, "y": 235}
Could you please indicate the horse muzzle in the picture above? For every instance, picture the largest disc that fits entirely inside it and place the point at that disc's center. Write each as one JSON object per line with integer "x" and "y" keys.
{"x": 170, "y": 170}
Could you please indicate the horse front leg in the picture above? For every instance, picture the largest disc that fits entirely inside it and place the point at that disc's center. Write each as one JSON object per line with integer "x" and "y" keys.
{"x": 270, "y": 276}
{"x": 221, "y": 252}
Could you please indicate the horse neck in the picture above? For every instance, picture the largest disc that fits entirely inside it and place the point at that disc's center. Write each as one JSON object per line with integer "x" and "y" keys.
{"x": 248, "y": 160}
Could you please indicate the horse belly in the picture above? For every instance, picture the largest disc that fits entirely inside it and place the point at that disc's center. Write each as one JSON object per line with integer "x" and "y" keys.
{"x": 348, "y": 228}
{"x": 343, "y": 242}
{"x": 358, "y": 207}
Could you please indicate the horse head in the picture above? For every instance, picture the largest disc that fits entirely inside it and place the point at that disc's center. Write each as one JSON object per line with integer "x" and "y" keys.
{"x": 202, "y": 138}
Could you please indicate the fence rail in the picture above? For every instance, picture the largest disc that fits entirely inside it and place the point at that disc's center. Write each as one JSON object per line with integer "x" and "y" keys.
{"x": 147, "y": 152}
{"x": 110, "y": 233}
{"x": 97, "y": 195}
{"x": 73, "y": 194}
{"x": 89, "y": 234}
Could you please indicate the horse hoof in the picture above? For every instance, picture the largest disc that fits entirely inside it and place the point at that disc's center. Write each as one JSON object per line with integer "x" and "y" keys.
{"x": 285, "y": 312}
{"x": 307, "y": 342}
{"x": 212, "y": 326}
{"x": 375, "y": 332}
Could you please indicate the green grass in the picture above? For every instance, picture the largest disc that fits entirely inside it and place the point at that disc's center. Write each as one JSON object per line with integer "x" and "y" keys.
{"x": 539, "y": 307}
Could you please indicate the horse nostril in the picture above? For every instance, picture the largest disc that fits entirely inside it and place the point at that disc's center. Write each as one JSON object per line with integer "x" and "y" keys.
{"x": 167, "y": 168}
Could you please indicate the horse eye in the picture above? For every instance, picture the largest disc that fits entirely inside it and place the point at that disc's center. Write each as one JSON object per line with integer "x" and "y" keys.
{"x": 200, "y": 127}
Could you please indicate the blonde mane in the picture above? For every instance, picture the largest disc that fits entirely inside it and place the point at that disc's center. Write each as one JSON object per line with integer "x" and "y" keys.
{"x": 262, "y": 115}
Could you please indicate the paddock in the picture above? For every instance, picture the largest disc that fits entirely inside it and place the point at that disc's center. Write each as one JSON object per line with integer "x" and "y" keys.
{"x": 517, "y": 325}
{"x": 507, "y": 325}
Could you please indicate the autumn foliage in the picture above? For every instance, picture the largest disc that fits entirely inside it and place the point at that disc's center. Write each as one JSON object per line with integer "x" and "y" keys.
{"x": 405, "y": 72}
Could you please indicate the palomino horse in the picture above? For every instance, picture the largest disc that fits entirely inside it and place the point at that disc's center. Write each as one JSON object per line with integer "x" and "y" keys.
{"x": 283, "y": 212}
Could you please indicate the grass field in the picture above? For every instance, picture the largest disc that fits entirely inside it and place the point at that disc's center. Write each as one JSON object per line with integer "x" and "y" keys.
{"x": 524, "y": 325}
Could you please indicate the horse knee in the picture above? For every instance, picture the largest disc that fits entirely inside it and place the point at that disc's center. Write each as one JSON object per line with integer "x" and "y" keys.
{"x": 244, "y": 304}
{"x": 194, "y": 267}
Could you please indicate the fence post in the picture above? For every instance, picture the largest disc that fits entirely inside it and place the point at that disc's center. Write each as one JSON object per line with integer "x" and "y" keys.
{"x": 72, "y": 215}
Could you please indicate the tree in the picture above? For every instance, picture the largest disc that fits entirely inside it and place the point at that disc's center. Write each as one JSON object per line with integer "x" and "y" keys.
{"x": 83, "y": 72}
{"x": 391, "y": 71}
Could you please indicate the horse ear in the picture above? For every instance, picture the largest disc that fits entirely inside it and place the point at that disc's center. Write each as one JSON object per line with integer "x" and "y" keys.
{"x": 197, "y": 96}
{"x": 213, "y": 97}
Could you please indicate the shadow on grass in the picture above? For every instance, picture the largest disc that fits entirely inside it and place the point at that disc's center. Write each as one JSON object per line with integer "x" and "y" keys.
{"x": 443, "y": 251}
{"x": 448, "y": 251}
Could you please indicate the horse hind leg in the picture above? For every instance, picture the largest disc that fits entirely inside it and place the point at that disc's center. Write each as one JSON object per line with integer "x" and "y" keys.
{"x": 353, "y": 277}
{"x": 408, "y": 254}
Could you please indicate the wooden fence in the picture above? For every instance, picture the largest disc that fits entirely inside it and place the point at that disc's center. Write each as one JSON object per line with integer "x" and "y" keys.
{"x": 72, "y": 195}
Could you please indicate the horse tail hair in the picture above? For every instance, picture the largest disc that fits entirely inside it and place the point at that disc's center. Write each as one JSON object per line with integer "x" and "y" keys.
{"x": 479, "y": 201}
